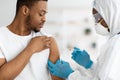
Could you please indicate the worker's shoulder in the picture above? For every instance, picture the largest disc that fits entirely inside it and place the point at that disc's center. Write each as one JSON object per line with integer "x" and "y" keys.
{"x": 115, "y": 40}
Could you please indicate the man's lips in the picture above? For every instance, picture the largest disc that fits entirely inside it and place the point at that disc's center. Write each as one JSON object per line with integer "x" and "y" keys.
{"x": 41, "y": 25}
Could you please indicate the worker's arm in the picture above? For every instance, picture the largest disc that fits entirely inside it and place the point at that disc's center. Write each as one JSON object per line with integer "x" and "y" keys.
{"x": 54, "y": 56}
{"x": 62, "y": 69}
{"x": 10, "y": 70}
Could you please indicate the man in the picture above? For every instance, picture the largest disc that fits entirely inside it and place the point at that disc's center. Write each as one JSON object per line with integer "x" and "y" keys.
{"x": 107, "y": 19}
{"x": 23, "y": 53}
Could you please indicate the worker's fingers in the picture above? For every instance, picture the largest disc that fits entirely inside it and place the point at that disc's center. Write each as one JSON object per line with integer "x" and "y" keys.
{"x": 85, "y": 53}
{"x": 58, "y": 62}
{"x": 50, "y": 64}
{"x": 73, "y": 57}
{"x": 63, "y": 62}
{"x": 76, "y": 53}
{"x": 50, "y": 68}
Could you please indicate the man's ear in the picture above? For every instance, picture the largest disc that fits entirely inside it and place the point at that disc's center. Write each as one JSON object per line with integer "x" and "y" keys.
{"x": 25, "y": 10}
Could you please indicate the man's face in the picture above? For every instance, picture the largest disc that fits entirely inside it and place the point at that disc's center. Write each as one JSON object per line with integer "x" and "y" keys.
{"x": 36, "y": 18}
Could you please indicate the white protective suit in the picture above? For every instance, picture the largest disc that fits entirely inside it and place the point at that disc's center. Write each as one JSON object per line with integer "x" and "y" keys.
{"x": 108, "y": 63}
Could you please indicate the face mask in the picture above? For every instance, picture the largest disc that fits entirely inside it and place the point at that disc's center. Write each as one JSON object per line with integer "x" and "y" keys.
{"x": 101, "y": 30}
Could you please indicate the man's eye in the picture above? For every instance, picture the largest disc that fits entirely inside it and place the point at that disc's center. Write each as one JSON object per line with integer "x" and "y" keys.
{"x": 41, "y": 14}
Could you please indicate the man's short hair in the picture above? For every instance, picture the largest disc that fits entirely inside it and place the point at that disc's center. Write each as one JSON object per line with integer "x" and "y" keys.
{"x": 28, "y": 3}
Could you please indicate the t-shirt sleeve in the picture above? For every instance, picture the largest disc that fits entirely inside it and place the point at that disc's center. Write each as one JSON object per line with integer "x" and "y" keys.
{"x": 1, "y": 54}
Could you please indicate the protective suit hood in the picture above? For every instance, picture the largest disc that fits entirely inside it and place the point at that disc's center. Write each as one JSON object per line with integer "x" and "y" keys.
{"x": 110, "y": 11}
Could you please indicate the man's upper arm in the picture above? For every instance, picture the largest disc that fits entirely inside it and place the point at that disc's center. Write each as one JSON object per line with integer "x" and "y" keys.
{"x": 54, "y": 51}
{"x": 54, "y": 56}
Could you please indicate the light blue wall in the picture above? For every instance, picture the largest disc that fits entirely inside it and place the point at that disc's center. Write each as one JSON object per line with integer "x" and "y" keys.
{"x": 7, "y": 11}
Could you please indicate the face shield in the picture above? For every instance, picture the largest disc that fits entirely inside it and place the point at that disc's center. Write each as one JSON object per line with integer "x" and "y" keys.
{"x": 110, "y": 12}
{"x": 97, "y": 17}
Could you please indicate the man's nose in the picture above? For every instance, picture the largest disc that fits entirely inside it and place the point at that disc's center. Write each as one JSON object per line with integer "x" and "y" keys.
{"x": 44, "y": 18}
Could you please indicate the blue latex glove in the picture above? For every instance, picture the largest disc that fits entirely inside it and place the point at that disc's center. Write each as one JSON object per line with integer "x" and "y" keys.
{"x": 60, "y": 69}
{"x": 82, "y": 58}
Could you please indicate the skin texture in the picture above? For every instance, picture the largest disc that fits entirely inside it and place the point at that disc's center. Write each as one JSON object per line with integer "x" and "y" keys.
{"x": 28, "y": 19}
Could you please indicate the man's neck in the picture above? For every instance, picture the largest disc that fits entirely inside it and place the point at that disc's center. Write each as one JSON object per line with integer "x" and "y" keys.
{"x": 18, "y": 27}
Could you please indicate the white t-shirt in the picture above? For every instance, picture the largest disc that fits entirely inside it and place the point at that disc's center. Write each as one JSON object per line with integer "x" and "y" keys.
{"x": 12, "y": 44}
{"x": 1, "y": 54}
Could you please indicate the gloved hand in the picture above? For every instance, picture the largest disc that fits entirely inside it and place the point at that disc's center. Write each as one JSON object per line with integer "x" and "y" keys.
{"x": 60, "y": 69}
{"x": 81, "y": 57}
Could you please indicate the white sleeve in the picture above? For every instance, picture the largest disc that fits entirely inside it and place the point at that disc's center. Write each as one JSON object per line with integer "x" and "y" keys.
{"x": 75, "y": 76}
{"x": 83, "y": 74}
{"x": 1, "y": 54}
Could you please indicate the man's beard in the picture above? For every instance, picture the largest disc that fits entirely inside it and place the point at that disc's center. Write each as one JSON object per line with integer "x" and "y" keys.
{"x": 30, "y": 26}
{"x": 36, "y": 30}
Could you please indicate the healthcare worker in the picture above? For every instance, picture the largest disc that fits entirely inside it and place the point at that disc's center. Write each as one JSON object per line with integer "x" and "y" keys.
{"x": 107, "y": 17}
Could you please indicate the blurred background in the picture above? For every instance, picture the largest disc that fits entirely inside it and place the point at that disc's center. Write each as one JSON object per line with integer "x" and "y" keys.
{"x": 69, "y": 21}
